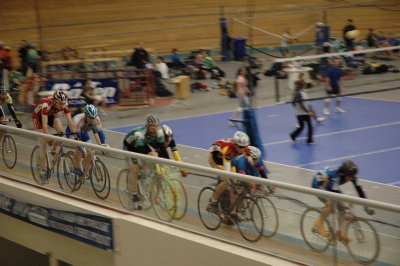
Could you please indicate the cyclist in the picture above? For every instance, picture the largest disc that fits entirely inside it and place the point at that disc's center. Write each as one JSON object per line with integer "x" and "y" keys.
{"x": 138, "y": 140}
{"x": 330, "y": 178}
{"x": 6, "y": 98}
{"x": 221, "y": 154}
{"x": 84, "y": 123}
{"x": 251, "y": 165}
{"x": 170, "y": 143}
{"x": 45, "y": 114}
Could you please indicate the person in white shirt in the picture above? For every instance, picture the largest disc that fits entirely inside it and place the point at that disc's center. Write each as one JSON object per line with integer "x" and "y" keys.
{"x": 162, "y": 67}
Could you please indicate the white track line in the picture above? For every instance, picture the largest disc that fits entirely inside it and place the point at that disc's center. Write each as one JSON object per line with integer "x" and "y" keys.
{"x": 350, "y": 156}
{"x": 394, "y": 183}
{"x": 337, "y": 132}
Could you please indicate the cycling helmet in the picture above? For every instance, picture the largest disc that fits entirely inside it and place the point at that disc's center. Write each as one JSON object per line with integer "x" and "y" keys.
{"x": 167, "y": 132}
{"x": 3, "y": 89}
{"x": 152, "y": 119}
{"x": 348, "y": 168}
{"x": 60, "y": 96}
{"x": 240, "y": 138}
{"x": 254, "y": 153}
{"x": 90, "y": 111}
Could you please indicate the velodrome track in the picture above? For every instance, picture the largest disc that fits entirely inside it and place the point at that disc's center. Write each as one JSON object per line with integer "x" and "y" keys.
{"x": 286, "y": 243}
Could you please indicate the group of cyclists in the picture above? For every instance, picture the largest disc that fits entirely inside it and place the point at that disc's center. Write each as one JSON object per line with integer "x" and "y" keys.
{"x": 229, "y": 154}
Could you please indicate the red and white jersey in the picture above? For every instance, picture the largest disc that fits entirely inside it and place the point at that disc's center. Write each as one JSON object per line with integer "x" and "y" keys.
{"x": 47, "y": 107}
{"x": 226, "y": 148}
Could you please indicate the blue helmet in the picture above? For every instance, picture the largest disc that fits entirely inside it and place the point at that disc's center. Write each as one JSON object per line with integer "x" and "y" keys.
{"x": 90, "y": 111}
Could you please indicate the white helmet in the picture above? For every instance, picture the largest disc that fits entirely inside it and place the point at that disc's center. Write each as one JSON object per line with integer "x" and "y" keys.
{"x": 254, "y": 153}
{"x": 152, "y": 119}
{"x": 241, "y": 139}
{"x": 168, "y": 132}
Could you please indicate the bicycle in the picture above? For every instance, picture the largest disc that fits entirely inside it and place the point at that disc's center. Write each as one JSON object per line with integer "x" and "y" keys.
{"x": 364, "y": 246}
{"x": 62, "y": 164}
{"x": 8, "y": 148}
{"x": 153, "y": 190}
{"x": 98, "y": 175}
{"x": 269, "y": 213}
{"x": 248, "y": 217}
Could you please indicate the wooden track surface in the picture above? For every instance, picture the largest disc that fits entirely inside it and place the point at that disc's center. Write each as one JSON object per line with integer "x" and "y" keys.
{"x": 65, "y": 19}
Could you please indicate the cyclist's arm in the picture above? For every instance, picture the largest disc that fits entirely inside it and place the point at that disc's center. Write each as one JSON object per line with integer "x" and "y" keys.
{"x": 45, "y": 121}
{"x": 12, "y": 111}
{"x": 70, "y": 122}
{"x": 359, "y": 189}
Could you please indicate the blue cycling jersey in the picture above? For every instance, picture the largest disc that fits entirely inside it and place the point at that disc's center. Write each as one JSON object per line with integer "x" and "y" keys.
{"x": 242, "y": 165}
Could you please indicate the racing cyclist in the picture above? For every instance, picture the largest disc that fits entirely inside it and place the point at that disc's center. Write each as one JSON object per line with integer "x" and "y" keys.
{"x": 138, "y": 140}
{"x": 84, "y": 123}
{"x": 330, "y": 178}
{"x": 45, "y": 114}
{"x": 5, "y": 98}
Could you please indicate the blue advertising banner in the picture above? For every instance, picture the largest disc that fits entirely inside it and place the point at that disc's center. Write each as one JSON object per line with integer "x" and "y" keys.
{"x": 106, "y": 88}
{"x": 90, "y": 229}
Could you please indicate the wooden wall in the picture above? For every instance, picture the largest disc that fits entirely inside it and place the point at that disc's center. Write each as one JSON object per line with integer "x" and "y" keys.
{"x": 74, "y": 19}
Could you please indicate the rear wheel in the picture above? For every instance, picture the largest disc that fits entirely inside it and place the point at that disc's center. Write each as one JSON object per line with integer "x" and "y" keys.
{"x": 9, "y": 151}
{"x": 100, "y": 179}
{"x": 250, "y": 220}
{"x": 311, "y": 234}
{"x": 209, "y": 219}
{"x": 123, "y": 189}
{"x": 270, "y": 216}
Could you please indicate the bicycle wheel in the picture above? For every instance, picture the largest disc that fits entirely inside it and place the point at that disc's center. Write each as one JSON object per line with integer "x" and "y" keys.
{"x": 163, "y": 198}
{"x": 67, "y": 179}
{"x": 250, "y": 221}
{"x": 35, "y": 165}
{"x": 123, "y": 190}
{"x": 210, "y": 220}
{"x": 364, "y": 246}
{"x": 9, "y": 151}
{"x": 310, "y": 233}
{"x": 270, "y": 216}
{"x": 181, "y": 198}
{"x": 100, "y": 179}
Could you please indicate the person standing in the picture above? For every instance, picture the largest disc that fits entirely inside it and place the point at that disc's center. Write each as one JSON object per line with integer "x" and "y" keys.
{"x": 346, "y": 29}
{"x": 242, "y": 92}
{"x": 304, "y": 111}
{"x": 286, "y": 40}
{"x": 334, "y": 86}
{"x": 139, "y": 57}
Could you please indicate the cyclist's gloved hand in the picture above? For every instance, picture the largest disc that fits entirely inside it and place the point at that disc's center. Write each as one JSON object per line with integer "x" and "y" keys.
{"x": 18, "y": 123}
{"x": 271, "y": 189}
{"x": 369, "y": 211}
{"x": 76, "y": 136}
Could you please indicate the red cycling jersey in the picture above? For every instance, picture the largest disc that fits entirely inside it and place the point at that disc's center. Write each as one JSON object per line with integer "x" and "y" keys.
{"x": 47, "y": 107}
{"x": 226, "y": 149}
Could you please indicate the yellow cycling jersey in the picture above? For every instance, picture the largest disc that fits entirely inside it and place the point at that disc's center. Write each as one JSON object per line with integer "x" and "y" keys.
{"x": 7, "y": 100}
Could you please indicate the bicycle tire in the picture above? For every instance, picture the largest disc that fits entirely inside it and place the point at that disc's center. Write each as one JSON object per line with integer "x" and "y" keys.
{"x": 270, "y": 215}
{"x": 65, "y": 172}
{"x": 35, "y": 165}
{"x": 210, "y": 220}
{"x": 250, "y": 221}
{"x": 316, "y": 242}
{"x": 8, "y": 142}
{"x": 100, "y": 179}
{"x": 123, "y": 193}
{"x": 359, "y": 237}
{"x": 163, "y": 200}
{"x": 181, "y": 198}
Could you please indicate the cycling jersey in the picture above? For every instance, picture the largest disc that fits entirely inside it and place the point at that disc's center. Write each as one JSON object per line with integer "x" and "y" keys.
{"x": 223, "y": 151}
{"x": 241, "y": 164}
{"x": 139, "y": 140}
{"x": 47, "y": 107}
{"x": 7, "y": 100}
{"x": 330, "y": 176}
{"x": 83, "y": 128}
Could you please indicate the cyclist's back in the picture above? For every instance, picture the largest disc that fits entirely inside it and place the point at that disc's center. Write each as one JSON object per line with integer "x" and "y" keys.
{"x": 138, "y": 139}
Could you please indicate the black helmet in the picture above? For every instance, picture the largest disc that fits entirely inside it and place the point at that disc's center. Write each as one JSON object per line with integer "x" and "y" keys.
{"x": 348, "y": 168}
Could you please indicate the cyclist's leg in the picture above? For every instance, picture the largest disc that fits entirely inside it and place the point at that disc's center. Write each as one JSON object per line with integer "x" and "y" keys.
{"x": 59, "y": 129}
{"x": 343, "y": 218}
{"x": 325, "y": 212}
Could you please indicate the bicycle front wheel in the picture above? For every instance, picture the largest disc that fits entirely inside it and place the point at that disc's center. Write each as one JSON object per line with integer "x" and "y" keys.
{"x": 9, "y": 151}
{"x": 250, "y": 221}
{"x": 181, "y": 198}
{"x": 210, "y": 220}
{"x": 364, "y": 246}
{"x": 100, "y": 179}
{"x": 35, "y": 165}
{"x": 123, "y": 192}
{"x": 163, "y": 198}
{"x": 270, "y": 216}
{"x": 67, "y": 179}
{"x": 309, "y": 231}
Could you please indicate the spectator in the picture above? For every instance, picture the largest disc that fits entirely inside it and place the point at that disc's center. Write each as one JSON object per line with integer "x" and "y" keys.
{"x": 23, "y": 52}
{"x": 334, "y": 86}
{"x": 2, "y": 54}
{"x": 162, "y": 67}
{"x": 139, "y": 57}
{"x": 7, "y": 58}
{"x": 176, "y": 61}
{"x": 208, "y": 65}
{"x": 242, "y": 92}
{"x": 346, "y": 29}
{"x": 337, "y": 44}
{"x": 304, "y": 111}
{"x": 90, "y": 96}
{"x": 286, "y": 40}
{"x": 33, "y": 58}
{"x": 372, "y": 39}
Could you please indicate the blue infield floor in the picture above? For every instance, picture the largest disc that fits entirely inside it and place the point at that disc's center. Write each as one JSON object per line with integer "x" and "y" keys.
{"x": 369, "y": 133}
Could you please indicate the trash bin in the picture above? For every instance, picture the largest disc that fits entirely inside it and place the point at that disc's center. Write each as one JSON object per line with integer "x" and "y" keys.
{"x": 239, "y": 48}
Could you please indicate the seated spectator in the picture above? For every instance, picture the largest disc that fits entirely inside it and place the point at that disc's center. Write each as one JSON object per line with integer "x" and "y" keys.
{"x": 208, "y": 65}
{"x": 372, "y": 39}
{"x": 162, "y": 67}
{"x": 337, "y": 45}
{"x": 33, "y": 58}
{"x": 90, "y": 96}
{"x": 176, "y": 61}
{"x": 7, "y": 58}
